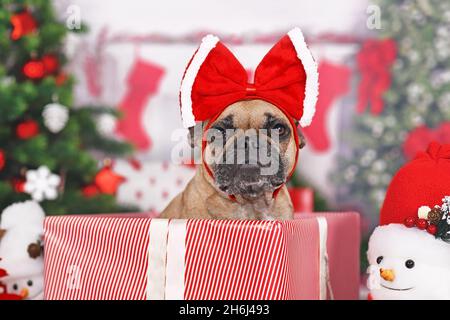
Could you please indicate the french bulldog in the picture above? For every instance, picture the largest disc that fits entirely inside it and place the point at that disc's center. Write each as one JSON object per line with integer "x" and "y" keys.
{"x": 248, "y": 129}
{"x": 259, "y": 142}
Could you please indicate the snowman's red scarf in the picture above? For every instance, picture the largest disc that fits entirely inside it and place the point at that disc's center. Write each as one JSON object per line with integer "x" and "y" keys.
{"x": 4, "y": 295}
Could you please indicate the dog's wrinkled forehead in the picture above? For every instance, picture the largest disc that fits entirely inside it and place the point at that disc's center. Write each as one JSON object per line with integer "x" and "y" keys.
{"x": 249, "y": 114}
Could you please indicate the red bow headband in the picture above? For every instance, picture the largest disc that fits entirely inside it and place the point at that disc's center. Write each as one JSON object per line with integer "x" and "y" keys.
{"x": 286, "y": 77}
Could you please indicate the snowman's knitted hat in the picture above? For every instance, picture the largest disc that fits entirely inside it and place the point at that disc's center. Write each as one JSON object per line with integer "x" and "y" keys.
{"x": 419, "y": 194}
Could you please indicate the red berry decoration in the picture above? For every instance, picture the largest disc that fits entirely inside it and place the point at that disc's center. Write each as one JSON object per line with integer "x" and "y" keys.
{"x": 107, "y": 181}
{"x": 18, "y": 185}
{"x": 51, "y": 63}
{"x": 27, "y": 129}
{"x": 22, "y": 24}
{"x": 2, "y": 159}
{"x": 422, "y": 224}
{"x": 410, "y": 222}
{"x": 34, "y": 69}
{"x": 432, "y": 229}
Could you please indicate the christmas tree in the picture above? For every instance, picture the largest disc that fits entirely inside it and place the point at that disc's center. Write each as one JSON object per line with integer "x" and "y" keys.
{"x": 45, "y": 142}
{"x": 416, "y": 106}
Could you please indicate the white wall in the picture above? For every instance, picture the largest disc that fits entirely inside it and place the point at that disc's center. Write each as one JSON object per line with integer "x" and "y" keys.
{"x": 230, "y": 16}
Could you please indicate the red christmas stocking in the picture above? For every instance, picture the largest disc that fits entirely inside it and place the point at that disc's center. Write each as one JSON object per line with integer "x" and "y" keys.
{"x": 334, "y": 83}
{"x": 91, "y": 72}
{"x": 143, "y": 83}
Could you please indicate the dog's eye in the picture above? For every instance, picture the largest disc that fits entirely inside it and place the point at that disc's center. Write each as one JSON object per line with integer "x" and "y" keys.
{"x": 280, "y": 129}
{"x": 219, "y": 130}
{"x": 216, "y": 134}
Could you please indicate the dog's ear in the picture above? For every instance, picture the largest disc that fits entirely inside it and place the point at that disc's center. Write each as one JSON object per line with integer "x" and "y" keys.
{"x": 195, "y": 134}
{"x": 302, "y": 140}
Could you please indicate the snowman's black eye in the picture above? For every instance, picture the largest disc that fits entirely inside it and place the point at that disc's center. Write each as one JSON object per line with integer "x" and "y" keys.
{"x": 30, "y": 283}
{"x": 379, "y": 259}
{"x": 15, "y": 286}
{"x": 409, "y": 264}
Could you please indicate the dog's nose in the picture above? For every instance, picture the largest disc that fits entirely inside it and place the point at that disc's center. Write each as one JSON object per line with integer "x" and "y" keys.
{"x": 246, "y": 144}
{"x": 249, "y": 169}
{"x": 247, "y": 150}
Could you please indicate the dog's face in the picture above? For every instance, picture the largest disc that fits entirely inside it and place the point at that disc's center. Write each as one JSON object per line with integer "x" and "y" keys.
{"x": 250, "y": 149}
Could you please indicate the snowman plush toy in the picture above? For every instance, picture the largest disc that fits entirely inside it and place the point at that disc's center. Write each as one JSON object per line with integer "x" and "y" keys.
{"x": 21, "y": 254}
{"x": 409, "y": 253}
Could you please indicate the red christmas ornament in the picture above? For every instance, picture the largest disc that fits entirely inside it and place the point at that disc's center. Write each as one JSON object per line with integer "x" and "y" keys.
{"x": 18, "y": 185}
{"x": 51, "y": 63}
{"x": 2, "y": 159}
{"x": 422, "y": 224}
{"x": 410, "y": 222}
{"x": 34, "y": 69}
{"x": 27, "y": 129}
{"x": 107, "y": 181}
{"x": 90, "y": 190}
{"x": 22, "y": 24}
{"x": 60, "y": 78}
{"x": 432, "y": 229}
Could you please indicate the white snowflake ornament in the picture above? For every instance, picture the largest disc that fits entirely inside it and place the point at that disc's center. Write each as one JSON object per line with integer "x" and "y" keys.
{"x": 41, "y": 184}
{"x": 55, "y": 117}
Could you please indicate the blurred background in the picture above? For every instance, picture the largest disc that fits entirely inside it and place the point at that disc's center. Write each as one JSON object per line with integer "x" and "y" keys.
{"x": 89, "y": 94}
{"x": 143, "y": 48}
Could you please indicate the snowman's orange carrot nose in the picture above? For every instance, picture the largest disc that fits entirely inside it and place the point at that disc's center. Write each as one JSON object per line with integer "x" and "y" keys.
{"x": 24, "y": 293}
{"x": 387, "y": 274}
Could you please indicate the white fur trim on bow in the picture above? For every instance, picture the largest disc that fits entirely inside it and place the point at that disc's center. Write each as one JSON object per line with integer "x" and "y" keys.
{"x": 312, "y": 76}
{"x": 208, "y": 43}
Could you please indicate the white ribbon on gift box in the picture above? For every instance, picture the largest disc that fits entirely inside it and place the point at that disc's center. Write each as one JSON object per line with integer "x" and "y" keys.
{"x": 157, "y": 249}
{"x": 324, "y": 268}
{"x": 165, "y": 277}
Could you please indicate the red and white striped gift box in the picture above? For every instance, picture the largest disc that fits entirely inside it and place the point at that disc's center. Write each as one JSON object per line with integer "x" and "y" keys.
{"x": 133, "y": 257}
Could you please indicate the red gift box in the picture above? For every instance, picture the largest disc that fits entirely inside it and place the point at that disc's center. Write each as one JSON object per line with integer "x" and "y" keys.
{"x": 135, "y": 257}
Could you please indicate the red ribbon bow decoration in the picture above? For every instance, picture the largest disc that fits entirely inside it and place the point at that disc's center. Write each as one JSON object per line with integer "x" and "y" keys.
{"x": 374, "y": 62}
{"x": 419, "y": 138}
{"x": 214, "y": 79}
